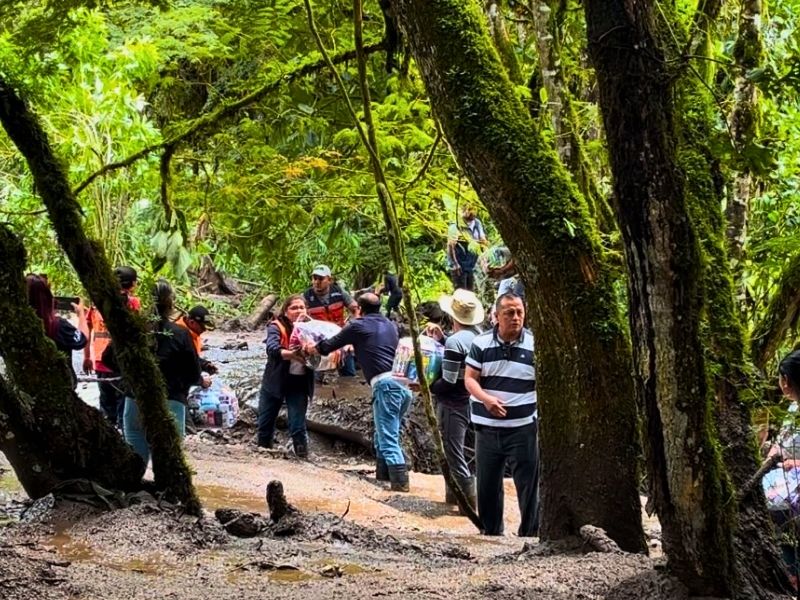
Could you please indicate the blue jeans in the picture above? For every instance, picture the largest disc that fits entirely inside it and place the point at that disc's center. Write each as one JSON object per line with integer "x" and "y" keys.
{"x": 268, "y": 409}
{"x": 348, "y": 368}
{"x": 390, "y": 402}
{"x": 134, "y": 431}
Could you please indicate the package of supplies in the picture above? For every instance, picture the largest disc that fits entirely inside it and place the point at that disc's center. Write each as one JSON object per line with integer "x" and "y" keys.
{"x": 314, "y": 331}
{"x": 404, "y": 365}
{"x": 214, "y": 406}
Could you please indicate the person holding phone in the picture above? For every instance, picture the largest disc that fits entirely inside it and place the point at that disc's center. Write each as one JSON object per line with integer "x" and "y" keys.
{"x": 65, "y": 335}
{"x": 112, "y": 399}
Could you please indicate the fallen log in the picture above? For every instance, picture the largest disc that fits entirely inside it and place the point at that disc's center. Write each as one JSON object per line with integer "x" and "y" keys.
{"x": 261, "y": 313}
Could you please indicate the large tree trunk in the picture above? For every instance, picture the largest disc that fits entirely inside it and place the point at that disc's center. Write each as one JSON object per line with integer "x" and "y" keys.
{"x": 665, "y": 219}
{"x": 127, "y": 330}
{"x": 588, "y": 435}
{"x": 48, "y": 434}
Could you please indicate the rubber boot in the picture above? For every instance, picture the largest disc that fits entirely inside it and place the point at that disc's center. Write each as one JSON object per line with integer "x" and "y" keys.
{"x": 300, "y": 446}
{"x": 467, "y": 485}
{"x": 381, "y": 470}
{"x": 398, "y": 476}
{"x": 449, "y": 496}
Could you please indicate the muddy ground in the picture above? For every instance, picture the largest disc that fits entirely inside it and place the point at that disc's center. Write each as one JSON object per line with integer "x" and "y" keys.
{"x": 351, "y": 537}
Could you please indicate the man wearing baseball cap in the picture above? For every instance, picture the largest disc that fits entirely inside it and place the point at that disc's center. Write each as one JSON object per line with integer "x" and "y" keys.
{"x": 452, "y": 397}
{"x": 327, "y": 301}
{"x": 198, "y": 321}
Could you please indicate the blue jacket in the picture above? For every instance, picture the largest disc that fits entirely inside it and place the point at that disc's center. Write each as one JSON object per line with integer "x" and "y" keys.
{"x": 276, "y": 374}
{"x": 374, "y": 339}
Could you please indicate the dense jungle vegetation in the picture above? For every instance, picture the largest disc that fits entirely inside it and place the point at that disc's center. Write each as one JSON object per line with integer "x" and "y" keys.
{"x": 284, "y": 183}
{"x": 647, "y": 146}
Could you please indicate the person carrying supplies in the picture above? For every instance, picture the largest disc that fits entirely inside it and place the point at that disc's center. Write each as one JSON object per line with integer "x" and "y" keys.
{"x": 374, "y": 338}
{"x": 197, "y": 321}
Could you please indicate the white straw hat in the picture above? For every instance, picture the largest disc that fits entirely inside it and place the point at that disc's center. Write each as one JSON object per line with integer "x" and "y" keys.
{"x": 463, "y": 306}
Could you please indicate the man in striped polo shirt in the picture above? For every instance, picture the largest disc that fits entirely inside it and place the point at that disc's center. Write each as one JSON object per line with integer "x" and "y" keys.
{"x": 501, "y": 380}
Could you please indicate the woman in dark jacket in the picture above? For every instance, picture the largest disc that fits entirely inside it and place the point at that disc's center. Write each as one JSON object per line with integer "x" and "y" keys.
{"x": 286, "y": 378}
{"x": 66, "y": 337}
{"x": 179, "y": 365}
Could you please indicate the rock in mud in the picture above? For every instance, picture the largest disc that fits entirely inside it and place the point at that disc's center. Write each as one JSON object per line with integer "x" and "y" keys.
{"x": 239, "y": 523}
{"x": 276, "y": 501}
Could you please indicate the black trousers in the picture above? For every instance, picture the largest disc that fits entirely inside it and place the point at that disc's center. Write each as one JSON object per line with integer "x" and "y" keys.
{"x": 464, "y": 280}
{"x": 517, "y": 446}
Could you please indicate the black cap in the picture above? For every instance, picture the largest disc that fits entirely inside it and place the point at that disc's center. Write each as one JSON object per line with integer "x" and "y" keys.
{"x": 200, "y": 314}
{"x": 127, "y": 276}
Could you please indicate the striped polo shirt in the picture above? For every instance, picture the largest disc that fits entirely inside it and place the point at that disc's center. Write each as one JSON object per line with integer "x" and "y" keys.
{"x": 507, "y": 372}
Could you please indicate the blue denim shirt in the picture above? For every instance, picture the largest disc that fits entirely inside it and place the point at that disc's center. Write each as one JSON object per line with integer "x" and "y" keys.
{"x": 374, "y": 339}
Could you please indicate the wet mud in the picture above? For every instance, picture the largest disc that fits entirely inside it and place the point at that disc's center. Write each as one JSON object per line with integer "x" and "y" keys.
{"x": 352, "y": 537}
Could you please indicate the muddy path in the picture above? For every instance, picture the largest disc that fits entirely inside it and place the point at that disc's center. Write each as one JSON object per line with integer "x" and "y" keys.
{"x": 352, "y": 538}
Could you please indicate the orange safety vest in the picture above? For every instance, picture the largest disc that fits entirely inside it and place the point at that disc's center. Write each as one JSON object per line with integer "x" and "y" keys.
{"x": 333, "y": 312}
{"x": 198, "y": 343}
{"x": 99, "y": 337}
{"x": 283, "y": 332}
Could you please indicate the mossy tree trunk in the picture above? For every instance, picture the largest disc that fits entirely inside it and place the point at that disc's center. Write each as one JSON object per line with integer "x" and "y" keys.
{"x": 547, "y": 18}
{"x": 747, "y": 54}
{"x": 127, "y": 330}
{"x": 48, "y": 434}
{"x": 588, "y": 434}
{"x": 687, "y": 340}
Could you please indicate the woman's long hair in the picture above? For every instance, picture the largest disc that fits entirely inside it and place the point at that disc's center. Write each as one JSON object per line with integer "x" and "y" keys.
{"x": 40, "y": 298}
{"x": 163, "y": 302}
{"x": 285, "y": 307}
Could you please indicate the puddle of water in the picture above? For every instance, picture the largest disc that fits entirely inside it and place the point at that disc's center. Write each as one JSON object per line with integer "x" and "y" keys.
{"x": 218, "y": 496}
{"x": 291, "y": 576}
{"x": 343, "y": 568}
{"x": 74, "y": 550}
{"x": 67, "y": 547}
{"x": 150, "y": 565}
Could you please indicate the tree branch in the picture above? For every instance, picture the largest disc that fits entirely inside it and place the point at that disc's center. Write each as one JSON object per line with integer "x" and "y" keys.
{"x": 89, "y": 259}
{"x": 209, "y": 120}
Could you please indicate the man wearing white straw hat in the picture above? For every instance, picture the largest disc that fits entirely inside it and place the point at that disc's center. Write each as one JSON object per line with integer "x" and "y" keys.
{"x": 501, "y": 380}
{"x": 452, "y": 397}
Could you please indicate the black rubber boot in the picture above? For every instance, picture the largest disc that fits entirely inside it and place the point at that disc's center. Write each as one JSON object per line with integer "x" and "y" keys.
{"x": 467, "y": 485}
{"x": 381, "y": 470}
{"x": 398, "y": 476}
{"x": 449, "y": 496}
{"x": 300, "y": 447}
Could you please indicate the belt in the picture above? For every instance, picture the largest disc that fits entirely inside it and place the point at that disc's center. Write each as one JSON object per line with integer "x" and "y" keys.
{"x": 379, "y": 377}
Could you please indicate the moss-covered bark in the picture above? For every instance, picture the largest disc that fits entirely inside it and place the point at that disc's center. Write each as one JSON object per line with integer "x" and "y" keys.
{"x": 547, "y": 18}
{"x": 747, "y": 54}
{"x": 497, "y": 27}
{"x": 588, "y": 418}
{"x": 51, "y": 434}
{"x": 688, "y": 343}
{"x": 757, "y": 561}
{"x": 127, "y": 329}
